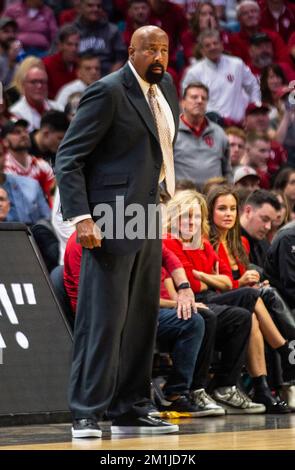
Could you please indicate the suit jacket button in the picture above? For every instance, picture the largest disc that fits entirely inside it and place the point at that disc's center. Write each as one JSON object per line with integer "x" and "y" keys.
{"x": 152, "y": 192}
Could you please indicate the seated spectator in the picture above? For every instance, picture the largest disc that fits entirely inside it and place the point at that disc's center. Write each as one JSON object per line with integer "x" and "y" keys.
{"x": 16, "y": 89}
{"x": 246, "y": 177}
{"x": 8, "y": 29}
{"x": 260, "y": 212}
{"x": 19, "y": 162}
{"x": 279, "y": 16}
{"x": 203, "y": 17}
{"x": 36, "y": 25}
{"x": 4, "y": 204}
{"x": 61, "y": 66}
{"x": 8, "y": 64}
{"x": 233, "y": 251}
{"x": 69, "y": 14}
{"x": 285, "y": 133}
{"x": 26, "y": 199}
{"x": 279, "y": 265}
{"x": 138, "y": 14}
{"x": 201, "y": 148}
{"x": 171, "y": 18}
{"x": 88, "y": 71}
{"x": 249, "y": 16}
{"x": 237, "y": 145}
{"x": 33, "y": 103}
{"x": 285, "y": 182}
{"x": 272, "y": 80}
{"x": 98, "y": 34}
{"x": 257, "y": 156}
{"x": 257, "y": 121}
{"x": 72, "y": 105}
{"x": 45, "y": 141}
{"x": 283, "y": 217}
{"x": 222, "y": 72}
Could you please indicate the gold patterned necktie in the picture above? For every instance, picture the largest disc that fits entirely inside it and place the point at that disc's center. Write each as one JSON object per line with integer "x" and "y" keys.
{"x": 165, "y": 139}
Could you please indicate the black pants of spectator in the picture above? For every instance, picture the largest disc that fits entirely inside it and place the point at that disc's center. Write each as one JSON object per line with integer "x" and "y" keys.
{"x": 245, "y": 297}
{"x": 227, "y": 330}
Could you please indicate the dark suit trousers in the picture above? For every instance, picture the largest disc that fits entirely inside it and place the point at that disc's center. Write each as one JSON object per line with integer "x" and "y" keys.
{"x": 115, "y": 332}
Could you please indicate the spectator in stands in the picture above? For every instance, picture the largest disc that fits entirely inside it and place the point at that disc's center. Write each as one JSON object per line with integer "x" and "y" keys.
{"x": 212, "y": 182}
{"x": 221, "y": 72}
{"x": 233, "y": 251}
{"x": 284, "y": 215}
{"x": 61, "y": 67}
{"x": 285, "y": 182}
{"x": 69, "y": 14}
{"x": 204, "y": 17}
{"x": 16, "y": 89}
{"x": 257, "y": 155}
{"x": 237, "y": 144}
{"x": 36, "y": 25}
{"x": 257, "y": 121}
{"x": 8, "y": 63}
{"x": 248, "y": 13}
{"x": 201, "y": 149}
{"x": 188, "y": 211}
{"x": 272, "y": 80}
{"x": 138, "y": 14}
{"x": 260, "y": 212}
{"x": 98, "y": 34}
{"x": 88, "y": 71}
{"x": 72, "y": 105}
{"x": 19, "y": 162}
{"x": 246, "y": 177}
{"x": 4, "y": 205}
{"x": 27, "y": 202}
{"x": 279, "y": 265}
{"x": 171, "y": 18}
{"x": 286, "y": 130}
{"x": 279, "y": 16}
{"x": 45, "y": 141}
{"x": 8, "y": 29}
{"x": 33, "y": 103}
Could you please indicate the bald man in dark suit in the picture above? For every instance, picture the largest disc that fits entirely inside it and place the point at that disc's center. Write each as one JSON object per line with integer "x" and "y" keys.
{"x": 112, "y": 149}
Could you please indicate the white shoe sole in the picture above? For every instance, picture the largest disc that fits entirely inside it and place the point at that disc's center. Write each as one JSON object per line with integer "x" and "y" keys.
{"x": 144, "y": 429}
{"x": 84, "y": 433}
{"x": 230, "y": 410}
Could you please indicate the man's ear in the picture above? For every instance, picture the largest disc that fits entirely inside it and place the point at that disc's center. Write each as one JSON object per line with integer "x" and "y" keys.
{"x": 131, "y": 52}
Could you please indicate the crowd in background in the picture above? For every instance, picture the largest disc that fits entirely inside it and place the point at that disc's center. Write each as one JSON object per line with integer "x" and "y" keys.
{"x": 233, "y": 64}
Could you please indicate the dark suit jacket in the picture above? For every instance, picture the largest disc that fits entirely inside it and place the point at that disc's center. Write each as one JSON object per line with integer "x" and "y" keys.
{"x": 112, "y": 149}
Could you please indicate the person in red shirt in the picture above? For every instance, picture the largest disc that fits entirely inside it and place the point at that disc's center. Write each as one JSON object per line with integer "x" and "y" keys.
{"x": 138, "y": 14}
{"x": 70, "y": 14}
{"x": 223, "y": 206}
{"x": 279, "y": 16}
{"x": 249, "y": 16}
{"x": 61, "y": 67}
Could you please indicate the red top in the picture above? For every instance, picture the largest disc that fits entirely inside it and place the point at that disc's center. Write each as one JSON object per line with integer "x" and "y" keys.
{"x": 204, "y": 259}
{"x": 240, "y": 42}
{"x": 170, "y": 262}
{"x": 72, "y": 264}
{"x": 225, "y": 259}
{"x": 58, "y": 73}
{"x": 67, "y": 16}
{"x": 284, "y": 24}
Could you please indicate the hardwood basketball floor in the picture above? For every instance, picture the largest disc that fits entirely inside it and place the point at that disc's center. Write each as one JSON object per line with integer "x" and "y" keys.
{"x": 261, "y": 432}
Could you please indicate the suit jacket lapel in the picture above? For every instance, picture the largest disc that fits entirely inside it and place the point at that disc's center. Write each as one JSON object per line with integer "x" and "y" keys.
{"x": 137, "y": 99}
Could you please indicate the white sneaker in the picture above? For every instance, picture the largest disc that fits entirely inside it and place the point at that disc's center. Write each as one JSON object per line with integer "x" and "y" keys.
{"x": 236, "y": 402}
{"x": 205, "y": 402}
{"x": 288, "y": 395}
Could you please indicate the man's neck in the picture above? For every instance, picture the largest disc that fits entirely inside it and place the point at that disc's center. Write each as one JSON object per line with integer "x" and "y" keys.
{"x": 194, "y": 121}
{"x": 20, "y": 156}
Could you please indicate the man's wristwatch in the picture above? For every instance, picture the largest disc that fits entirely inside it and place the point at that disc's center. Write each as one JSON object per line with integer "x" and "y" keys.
{"x": 183, "y": 285}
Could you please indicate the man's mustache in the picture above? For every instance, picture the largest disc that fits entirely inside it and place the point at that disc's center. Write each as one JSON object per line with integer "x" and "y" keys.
{"x": 156, "y": 66}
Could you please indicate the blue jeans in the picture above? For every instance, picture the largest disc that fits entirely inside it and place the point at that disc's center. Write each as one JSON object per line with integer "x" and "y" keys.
{"x": 182, "y": 339}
